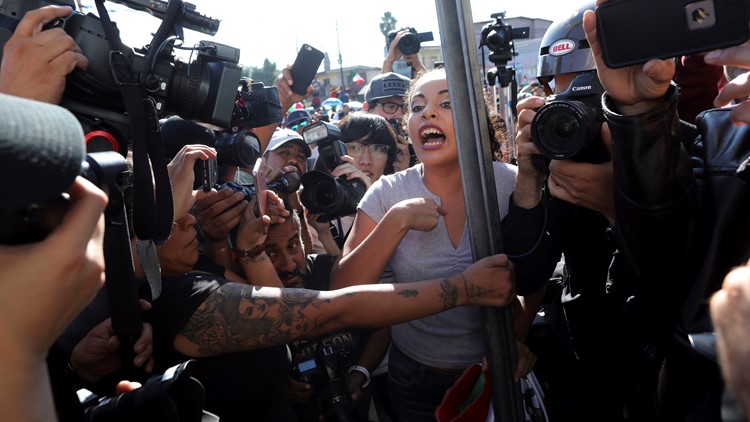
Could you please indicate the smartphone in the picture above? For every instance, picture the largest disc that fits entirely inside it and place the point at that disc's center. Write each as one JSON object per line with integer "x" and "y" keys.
{"x": 305, "y": 67}
{"x": 259, "y": 180}
{"x": 206, "y": 174}
{"x": 634, "y": 31}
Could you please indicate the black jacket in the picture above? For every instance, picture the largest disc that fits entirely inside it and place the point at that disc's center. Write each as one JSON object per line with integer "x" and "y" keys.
{"x": 682, "y": 222}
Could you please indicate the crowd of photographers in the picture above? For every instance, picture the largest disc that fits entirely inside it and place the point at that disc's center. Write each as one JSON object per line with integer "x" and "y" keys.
{"x": 318, "y": 271}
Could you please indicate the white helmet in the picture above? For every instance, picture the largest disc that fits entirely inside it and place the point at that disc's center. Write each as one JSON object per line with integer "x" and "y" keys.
{"x": 564, "y": 47}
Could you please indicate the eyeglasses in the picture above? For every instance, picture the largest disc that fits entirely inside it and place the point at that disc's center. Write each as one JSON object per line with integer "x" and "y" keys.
{"x": 299, "y": 125}
{"x": 377, "y": 151}
{"x": 391, "y": 108}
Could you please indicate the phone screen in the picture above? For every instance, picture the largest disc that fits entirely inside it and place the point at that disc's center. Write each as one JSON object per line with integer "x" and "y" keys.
{"x": 259, "y": 180}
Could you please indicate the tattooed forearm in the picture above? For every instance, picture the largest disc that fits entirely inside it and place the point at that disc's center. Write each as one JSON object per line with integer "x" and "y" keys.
{"x": 409, "y": 293}
{"x": 239, "y": 317}
{"x": 448, "y": 294}
{"x": 473, "y": 292}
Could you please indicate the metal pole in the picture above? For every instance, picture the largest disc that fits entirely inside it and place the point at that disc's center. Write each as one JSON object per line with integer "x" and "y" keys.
{"x": 464, "y": 84}
{"x": 341, "y": 61}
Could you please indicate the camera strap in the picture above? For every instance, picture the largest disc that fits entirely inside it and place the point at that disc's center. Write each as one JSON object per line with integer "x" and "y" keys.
{"x": 153, "y": 209}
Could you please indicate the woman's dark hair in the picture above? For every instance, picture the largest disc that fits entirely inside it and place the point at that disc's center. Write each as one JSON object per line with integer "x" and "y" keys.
{"x": 369, "y": 129}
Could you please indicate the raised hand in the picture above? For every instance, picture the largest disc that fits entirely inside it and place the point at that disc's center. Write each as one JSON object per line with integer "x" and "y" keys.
{"x": 635, "y": 89}
{"x": 36, "y": 62}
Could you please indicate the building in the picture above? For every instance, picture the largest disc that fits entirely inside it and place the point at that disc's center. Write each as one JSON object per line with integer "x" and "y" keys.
{"x": 524, "y": 63}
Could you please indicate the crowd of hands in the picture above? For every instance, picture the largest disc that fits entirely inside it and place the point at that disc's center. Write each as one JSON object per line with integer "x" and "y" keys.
{"x": 40, "y": 300}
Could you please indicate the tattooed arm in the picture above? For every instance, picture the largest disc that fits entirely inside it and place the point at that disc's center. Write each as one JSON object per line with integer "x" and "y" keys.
{"x": 239, "y": 317}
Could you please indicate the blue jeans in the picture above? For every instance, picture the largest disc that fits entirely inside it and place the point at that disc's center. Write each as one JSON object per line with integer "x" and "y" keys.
{"x": 416, "y": 390}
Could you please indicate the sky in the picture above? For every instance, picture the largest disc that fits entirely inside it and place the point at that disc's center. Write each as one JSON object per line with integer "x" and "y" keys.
{"x": 275, "y": 30}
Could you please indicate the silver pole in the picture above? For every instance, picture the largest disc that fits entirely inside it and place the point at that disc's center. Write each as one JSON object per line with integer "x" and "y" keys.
{"x": 464, "y": 84}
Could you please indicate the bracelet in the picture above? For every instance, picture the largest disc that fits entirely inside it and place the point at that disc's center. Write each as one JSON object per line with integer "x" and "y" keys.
{"x": 364, "y": 371}
{"x": 252, "y": 254}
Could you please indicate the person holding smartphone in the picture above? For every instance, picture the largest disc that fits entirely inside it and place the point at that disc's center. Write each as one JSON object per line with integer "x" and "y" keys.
{"x": 681, "y": 200}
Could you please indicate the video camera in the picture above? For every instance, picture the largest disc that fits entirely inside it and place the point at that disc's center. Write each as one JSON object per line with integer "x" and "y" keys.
{"x": 322, "y": 193}
{"x": 411, "y": 42}
{"x": 498, "y": 36}
{"x": 203, "y": 90}
{"x": 568, "y": 126}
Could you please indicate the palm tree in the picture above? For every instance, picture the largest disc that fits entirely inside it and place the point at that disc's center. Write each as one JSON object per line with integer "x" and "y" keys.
{"x": 387, "y": 24}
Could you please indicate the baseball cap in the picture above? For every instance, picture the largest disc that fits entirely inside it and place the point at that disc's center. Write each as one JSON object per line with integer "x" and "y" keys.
{"x": 296, "y": 116}
{"x": 387, "y": 85}
{"x": 43, "y": 145}
{"x": 282, "y": 136}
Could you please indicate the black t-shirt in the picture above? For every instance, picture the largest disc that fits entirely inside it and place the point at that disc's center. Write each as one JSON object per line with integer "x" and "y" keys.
{"x": 239, "y": 386}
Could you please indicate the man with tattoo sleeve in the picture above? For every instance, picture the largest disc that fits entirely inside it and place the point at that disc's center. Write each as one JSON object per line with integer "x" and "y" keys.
{"x": 237, "y": 332}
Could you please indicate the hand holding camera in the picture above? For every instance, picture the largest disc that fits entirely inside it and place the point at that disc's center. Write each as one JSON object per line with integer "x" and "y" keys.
{"x": 36, "y": 62}
{"x": 349, "y": 170}
{"x": 70, "y": 277}
{"x": 182, "y": 176}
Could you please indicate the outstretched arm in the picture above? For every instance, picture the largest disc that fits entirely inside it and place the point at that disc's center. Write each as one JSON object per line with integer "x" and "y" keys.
{"x": 238, "y": 317}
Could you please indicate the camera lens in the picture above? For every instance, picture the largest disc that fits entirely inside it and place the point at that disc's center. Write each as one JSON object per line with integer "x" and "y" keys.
{"x": 324, "y": 194}
{"x": 409, "y": 44}
{"x": 240, "y": 149}
{"x": 562, "y": 129}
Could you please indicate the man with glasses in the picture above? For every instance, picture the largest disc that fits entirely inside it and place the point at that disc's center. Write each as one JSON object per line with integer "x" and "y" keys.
{"x": 385, "y": 97}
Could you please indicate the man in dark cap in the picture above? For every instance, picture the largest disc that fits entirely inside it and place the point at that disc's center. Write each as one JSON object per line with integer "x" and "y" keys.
{"x": 385, "y": 97}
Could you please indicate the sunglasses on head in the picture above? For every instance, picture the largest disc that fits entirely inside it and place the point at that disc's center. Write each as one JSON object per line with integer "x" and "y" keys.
{"x": 299, "y": 125}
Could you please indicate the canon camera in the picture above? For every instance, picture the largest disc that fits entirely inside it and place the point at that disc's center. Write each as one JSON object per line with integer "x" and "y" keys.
{"x": 568, "y": 126}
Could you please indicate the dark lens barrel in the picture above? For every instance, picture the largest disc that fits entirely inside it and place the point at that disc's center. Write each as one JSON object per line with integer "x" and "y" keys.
{"x": 322, "y": 194}
{"x": 239, "y": 149}
{"x": 409, "y": 44}
{"x": 561, "y": 129}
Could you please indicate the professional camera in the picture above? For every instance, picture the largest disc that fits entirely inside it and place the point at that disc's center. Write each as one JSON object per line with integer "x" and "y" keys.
{"x": 322, "y": 193}
{"x": 498, "y": 36}
{"x": 285, "y": 183}
{"x": 34, "y": 222}
{"x": 568, "y": 126}
{"x": 326, "y": 371}
{"x": 257, "y": 105}
{"x": 410, "y": 43}
{"x": 202, "y": 90}
{"x": 171, "y": 396}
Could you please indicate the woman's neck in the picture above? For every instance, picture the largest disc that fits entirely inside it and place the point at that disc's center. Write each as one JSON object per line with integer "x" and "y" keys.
{"x": 442, "y": 180}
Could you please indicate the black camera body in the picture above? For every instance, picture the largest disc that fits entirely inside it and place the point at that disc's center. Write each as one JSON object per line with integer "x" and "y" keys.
{"x": 286, "y": 183}
{"x": 172, "y": 396}
{"x": 327, "y": 372}
{"x": 322, "y": 193}
{"x": 410, "y": 43}
{"x": 203, "y": 90}
{"x": 568, "y": 126}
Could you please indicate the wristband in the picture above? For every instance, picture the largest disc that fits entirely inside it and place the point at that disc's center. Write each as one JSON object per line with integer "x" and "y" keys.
{"x": 364, "y": 371}
{"x": 250, "y": 255}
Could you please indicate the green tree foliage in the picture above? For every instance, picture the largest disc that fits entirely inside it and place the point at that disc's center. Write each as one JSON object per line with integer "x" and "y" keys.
{"x": 266, "y": 74}
{"x": 387, "y": 24}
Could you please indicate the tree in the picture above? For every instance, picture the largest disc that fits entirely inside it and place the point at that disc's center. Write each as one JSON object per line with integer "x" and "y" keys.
{"x": 387, "y": 24}
{"x": 266, "y": 74}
